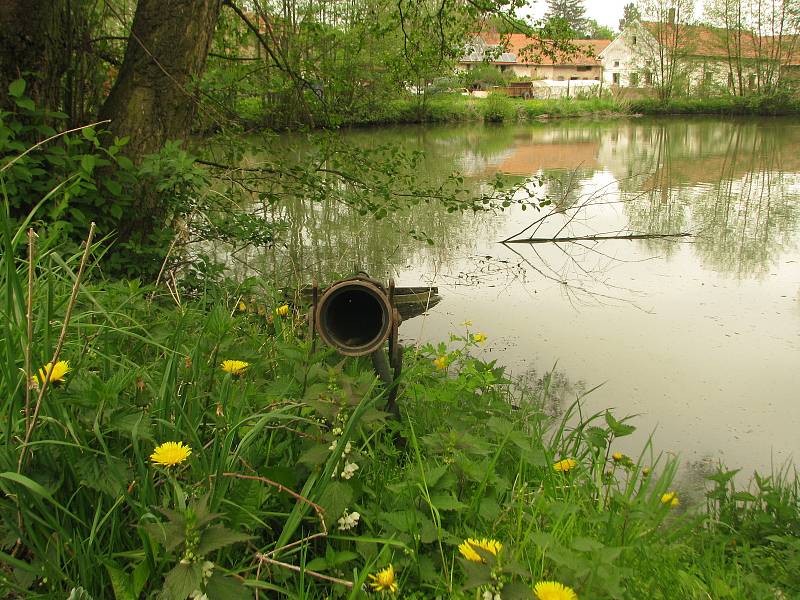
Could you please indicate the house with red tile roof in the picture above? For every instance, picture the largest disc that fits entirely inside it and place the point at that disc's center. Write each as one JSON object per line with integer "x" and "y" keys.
{"x": 708, "y": 57}
{"x": 531, "y": 58}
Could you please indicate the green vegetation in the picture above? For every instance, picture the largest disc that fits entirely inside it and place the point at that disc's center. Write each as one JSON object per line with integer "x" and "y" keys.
{"x": 774, "y": 105}
{"x": 295, "y": 481}
{"x": 187, "y": 438}
{"x": 453, "y": 108}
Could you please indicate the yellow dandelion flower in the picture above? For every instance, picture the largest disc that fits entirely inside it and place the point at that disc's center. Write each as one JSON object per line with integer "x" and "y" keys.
{"x": 618, "y": 456}
{"x": 235, "y": 367}
{"x": 467, "y": 324}
{"x": 467, "y": 549}
{"x": 242, "y": 306}
{"x": 441, "y": 362}
{"x": 56, "y": 376}
{"x": 170, "y": 454}
{"x": 646, "y": 471}
{"x": 670, "y": 498}
{"x": 479, "y": 338}
{"x": 565, "y": 465}
{"x": 384, "y": 581}
{"x": 552, "y": 590}
{"x": 282, "y": 311}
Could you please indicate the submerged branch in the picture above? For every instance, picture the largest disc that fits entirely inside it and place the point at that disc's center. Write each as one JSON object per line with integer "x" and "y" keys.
{"x": 598, "y": 238}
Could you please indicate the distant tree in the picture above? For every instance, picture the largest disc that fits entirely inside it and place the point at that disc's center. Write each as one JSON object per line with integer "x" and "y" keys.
{"x": 570, "y": 12}
{"x": 596, "y": 31}
{"x": 666, "y": 56}
{"x": 630, "y": 13}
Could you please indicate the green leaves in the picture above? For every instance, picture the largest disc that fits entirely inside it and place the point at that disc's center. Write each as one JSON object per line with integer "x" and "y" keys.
{"x": 220, "y": 587}
{"x": 618, "y": 428}
{"x": 216, "y": 537}
{"x": 182, "y": 580}
{"x": 16, "y": 88}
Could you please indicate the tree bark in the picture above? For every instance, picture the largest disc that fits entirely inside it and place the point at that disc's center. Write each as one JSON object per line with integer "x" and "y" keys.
{"x": 153, "y": 99}
{"x": 31, "y": 48}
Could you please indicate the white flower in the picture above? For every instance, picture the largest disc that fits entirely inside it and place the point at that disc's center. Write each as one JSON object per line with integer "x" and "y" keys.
{"x": 198, "y": 595}
{"x": 348, "y": 521}
{"x": 349, "y": 470}
{"x": 332, "y": 447}
{"x": 347, "y": 448}
{"x": 337, "y": 431}
{"x": 487, "y": 595}
{"x": 207, "y": 569}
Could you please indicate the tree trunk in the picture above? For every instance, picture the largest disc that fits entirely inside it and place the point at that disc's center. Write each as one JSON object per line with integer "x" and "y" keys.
{"x": 152, "y": 100}
{"x": 31, "y": 48}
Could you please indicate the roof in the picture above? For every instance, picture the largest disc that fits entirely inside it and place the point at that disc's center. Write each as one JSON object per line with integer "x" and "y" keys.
{"x": 712, "y": 42}
{"x": 523, "y": 50}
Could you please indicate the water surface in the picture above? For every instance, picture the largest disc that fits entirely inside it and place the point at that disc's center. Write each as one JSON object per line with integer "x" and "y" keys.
{"x": 698, "y": 336}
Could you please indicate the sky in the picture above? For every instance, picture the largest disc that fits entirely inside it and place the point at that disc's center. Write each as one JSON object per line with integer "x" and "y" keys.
{"x": 605, "y": 12}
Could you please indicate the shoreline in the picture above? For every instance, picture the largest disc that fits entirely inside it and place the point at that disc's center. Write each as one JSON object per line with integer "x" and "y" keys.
{"x": 452, "y": 109}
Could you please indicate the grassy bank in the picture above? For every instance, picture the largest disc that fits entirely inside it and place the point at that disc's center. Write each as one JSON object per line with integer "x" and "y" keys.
{"x": 497, "y": 108}
{"x": 286, "y": 478}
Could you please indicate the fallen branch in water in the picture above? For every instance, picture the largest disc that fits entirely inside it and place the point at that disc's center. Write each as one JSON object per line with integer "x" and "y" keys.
{"x": 598, "y": 238}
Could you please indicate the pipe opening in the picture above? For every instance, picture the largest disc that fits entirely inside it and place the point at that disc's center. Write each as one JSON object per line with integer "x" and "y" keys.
{"x": 354, "y": 318}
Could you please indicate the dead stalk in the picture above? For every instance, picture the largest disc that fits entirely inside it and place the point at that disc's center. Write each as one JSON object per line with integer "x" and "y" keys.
{"x": 281, "y": 488}
{"x": 267, "y": 558}
{"x": 29, "y": 317}
{"x": 262, "y": 558}
{"x": 163, "y": 267}
{"x": 59, "y": 345}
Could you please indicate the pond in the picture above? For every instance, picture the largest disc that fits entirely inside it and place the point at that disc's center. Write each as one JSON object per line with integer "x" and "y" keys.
{"x": 698, "y": 336}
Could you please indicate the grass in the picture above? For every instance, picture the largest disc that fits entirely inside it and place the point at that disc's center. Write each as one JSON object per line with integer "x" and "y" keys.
{"x": 497, "y": 108}
{"x": 778, "y": 105}
{"x": 283, "y": 454}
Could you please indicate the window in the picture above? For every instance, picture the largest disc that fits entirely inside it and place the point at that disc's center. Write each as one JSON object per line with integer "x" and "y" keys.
{"x": 615, "y": 78}
{"x": 616, "y": 63}
{"x": 634, "y": 80}
{"x": 648, "y": 78}
{"x": 573, "y": 78}
{"x": 561, "y": 79}
{"x": 730, "y": 80}
{"x": 634, "y": 40}
{"x": 751, "y": 81}
{"x": 584, "y": 68}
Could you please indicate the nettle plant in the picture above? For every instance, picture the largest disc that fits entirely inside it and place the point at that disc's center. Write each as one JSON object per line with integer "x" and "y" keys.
{"x": 193, "y": 534}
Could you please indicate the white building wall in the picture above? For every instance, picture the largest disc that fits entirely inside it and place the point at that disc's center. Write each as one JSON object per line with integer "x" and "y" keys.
{"x": 623, "y": 60}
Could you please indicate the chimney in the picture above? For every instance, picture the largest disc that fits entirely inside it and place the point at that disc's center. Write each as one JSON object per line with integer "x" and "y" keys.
{"x": 672, "y": 16}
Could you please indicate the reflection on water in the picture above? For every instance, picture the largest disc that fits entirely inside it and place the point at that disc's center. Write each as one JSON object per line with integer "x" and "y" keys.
{"x": 702, "y": 339}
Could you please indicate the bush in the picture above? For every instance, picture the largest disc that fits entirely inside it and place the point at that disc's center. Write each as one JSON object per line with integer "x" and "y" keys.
{"x": 64, "y": 183}
{"x": 498, "y": 108}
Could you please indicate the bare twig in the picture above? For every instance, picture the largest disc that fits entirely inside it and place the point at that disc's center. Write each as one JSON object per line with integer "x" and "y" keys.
{"x": 281, "y": 488}
{"x": 59, "y": 345}
{"x": 51, "y": 138}
{"x": 598, "y": 238}
{"x": 262, "y": 558}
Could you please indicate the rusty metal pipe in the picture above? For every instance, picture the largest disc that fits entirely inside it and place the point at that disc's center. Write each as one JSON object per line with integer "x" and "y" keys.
{"x": 354, "y": 316}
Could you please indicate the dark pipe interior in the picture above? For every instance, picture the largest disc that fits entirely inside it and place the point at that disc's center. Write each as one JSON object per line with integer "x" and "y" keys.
{"x": 354, "y": 317}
